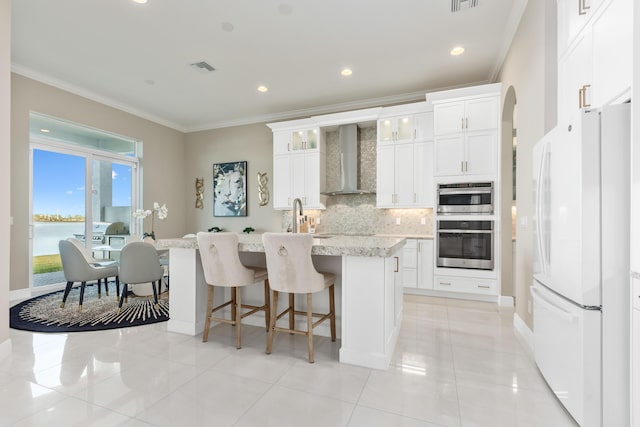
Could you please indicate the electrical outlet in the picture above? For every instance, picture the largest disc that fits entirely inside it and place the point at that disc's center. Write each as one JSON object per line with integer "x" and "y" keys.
{"x": 397, "y": 221}
{"x": 423, "y": 221}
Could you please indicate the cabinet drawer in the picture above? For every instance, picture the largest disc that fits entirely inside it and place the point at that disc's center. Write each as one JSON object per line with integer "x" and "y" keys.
{"x": 467, "y": 285}
{"x": 409, "y": 278}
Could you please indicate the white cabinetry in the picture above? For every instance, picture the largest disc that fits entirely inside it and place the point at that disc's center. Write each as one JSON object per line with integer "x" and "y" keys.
{"x": 466, "y": 136}
{"x": 298, "y": 167}
{"x": 635, "y": 352}
{"x": 417, "y": 265}
{"x": 405, "y": 159}
{"x": 595, "y": 61}
{"x": 406, "y": 128}
{"x": 469, "y": 285}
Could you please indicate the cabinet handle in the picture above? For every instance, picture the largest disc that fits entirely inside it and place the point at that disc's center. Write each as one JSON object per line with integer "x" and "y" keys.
{"x": 462, "y": 166}
{"x": 445, "y": 283}
{"x": 584, "y": 95}
{"x": 466, "y": 123}
{"x": 462, "y": 123}
{"x": 582, "y": 7}
{"x": 288, "y": 147}
{"x": 415, "y": 134}
{"x": 414, "y": 197}
{"x": 466, "y": 166}
{"x": 397, "y": 264}
{"x": 484, "y": 286}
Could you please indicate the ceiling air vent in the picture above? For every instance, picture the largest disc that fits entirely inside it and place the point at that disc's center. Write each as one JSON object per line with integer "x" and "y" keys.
{"x": 202, "y": 67}
{"x": 458, "y": 5}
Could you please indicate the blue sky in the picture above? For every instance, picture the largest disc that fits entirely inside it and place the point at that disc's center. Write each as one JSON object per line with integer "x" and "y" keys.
{"x": 59, "y": 187}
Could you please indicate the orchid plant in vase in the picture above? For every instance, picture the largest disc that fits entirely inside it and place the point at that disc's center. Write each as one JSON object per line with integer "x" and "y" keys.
{"x": 158, "y": 211}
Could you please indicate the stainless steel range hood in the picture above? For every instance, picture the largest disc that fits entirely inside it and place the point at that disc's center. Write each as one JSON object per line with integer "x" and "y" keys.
{"x": 349, "y": 163}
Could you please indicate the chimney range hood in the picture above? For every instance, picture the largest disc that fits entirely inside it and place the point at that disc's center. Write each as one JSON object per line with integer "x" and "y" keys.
{"x": 349, "y": 163}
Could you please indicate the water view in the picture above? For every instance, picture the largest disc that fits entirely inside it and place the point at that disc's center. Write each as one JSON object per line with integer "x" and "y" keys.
{"x": 46, "y": 235}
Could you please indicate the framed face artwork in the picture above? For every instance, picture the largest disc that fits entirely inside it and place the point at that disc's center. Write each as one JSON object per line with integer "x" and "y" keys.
{"x": 230, "y": 189}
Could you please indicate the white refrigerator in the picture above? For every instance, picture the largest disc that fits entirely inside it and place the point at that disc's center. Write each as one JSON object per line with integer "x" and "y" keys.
{"x": 580, "y": 290}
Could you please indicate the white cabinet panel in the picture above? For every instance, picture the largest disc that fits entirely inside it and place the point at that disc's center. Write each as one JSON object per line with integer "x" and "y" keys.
{"x": 281, "y": 142}
{"x": 635, "y": 374}
{"x": 425, "y": 264}
{"x": 404, "y": 174}
{"x": 481, "y": 114}
{"x": 385, "y": 188}
{"x": 448, "y": 118}
{"x": 481, "y": 155}
{"x": 449, "y": 155}
{"x": 423, "y": 126}
{"x": 423, "y": 183}
{"x": 468, "y": 285}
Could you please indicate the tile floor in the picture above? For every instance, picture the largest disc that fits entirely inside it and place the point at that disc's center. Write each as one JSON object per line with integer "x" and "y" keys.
{"x": 457, "y": 363}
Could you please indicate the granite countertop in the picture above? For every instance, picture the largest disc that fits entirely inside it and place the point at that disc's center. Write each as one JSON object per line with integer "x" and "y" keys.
{"x": 378, "y": 246}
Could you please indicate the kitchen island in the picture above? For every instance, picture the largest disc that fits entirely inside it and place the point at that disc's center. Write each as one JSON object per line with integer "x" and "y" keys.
{"x": 368, "y": 290}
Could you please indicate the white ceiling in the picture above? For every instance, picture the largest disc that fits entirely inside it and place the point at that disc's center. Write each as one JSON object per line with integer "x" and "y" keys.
{"x": 136, "y": 57}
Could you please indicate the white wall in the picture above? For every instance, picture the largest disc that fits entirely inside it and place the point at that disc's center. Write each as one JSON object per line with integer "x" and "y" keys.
{"x": 530, "y": 67}
{"x": 163, "y": 163}
{"x": 5, "y": 165}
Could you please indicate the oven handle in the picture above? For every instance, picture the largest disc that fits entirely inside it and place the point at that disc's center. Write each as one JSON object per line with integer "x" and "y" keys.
{"x": 457, "y": 191}
{"x": 465, "y": 231}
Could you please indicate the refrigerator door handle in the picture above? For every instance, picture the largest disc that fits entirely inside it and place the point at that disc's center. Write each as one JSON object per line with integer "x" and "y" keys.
{"x": 559, "y": 311}
{"x": 542, "y": 252}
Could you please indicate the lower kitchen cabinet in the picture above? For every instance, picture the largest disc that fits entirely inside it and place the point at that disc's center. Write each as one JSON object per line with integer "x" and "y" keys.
{"x": 417, "y": 264}
{"x": 468, "y": 285}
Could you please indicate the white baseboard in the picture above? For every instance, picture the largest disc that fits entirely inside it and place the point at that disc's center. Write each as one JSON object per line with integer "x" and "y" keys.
{"x": 524, "y": 334}
{"x": 19, "y": 294}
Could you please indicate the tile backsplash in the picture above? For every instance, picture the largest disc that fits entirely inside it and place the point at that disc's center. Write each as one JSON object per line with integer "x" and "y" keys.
{"x": 357, "y": 214}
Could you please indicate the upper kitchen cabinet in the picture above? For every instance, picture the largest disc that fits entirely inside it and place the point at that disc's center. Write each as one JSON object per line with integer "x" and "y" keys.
{"x": 595, "y": 64}
{"x": 405, "y": 175}
{"x": 574, "y": 14}
{"x": 286, "y": 141}
{"x": 466, "y": 131}
{"x": 405, "y": 123}
{"x": 298, "y": 164}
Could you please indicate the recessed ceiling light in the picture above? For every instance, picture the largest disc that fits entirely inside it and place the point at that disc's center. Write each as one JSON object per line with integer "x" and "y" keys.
{"x": 150, "y": 82}
{"x": 262, "y": 89}
{"x": 227, "y": 26}
{"x": 346, "y": 72}
{"x": 45, "y": 130}
{"x": 140, "y": 1}
{"x": 458, "y": 50}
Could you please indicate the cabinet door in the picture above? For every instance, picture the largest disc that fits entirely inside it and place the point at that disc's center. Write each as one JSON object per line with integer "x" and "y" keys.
{"x": 425, "y": 264}
{"x": 448, "y": 118}
{"x": 423, "y": 183}
{"x": 449, "y": 155}
{"x": 281, "y": 141}
{"x": 410, "y": 264}
{"x": 281, "y": 182}
{"x": 385, "y": 130}
{"x": 312, "y": 180}
{"x": 297, "y": 173}
{"x": 575, "y": 80}
{"x": 311, "y": 139}
{"x": 404, "y": 128}
{"x": 423, "y": 126}
{"x": 612, "y": 34}
{"x": 385, "y": 176}
{"x": 481, "y": 153}
{"x": 481, "y": 114}
{"x": 405, "y": 195}
{"x": 635, "y": 361}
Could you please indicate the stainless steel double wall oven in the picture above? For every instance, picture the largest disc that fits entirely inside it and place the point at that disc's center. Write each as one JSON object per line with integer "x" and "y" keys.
{"x": 464, "y": 238}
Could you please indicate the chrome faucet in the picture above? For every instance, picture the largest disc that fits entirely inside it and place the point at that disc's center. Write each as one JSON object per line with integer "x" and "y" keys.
{"x": 295, "y": 218}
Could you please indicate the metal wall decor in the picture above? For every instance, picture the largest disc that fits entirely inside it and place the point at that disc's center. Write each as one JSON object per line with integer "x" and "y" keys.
{"x": 263, "y": 188}
{"x": 230, "y": 189}
{"x": 199, "y": 193}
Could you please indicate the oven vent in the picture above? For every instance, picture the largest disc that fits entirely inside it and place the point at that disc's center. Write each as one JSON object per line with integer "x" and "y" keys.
{"x": 458, "y": 5}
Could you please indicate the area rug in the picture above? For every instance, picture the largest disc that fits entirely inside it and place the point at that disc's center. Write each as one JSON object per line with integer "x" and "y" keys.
{"x": 43, "y": 313}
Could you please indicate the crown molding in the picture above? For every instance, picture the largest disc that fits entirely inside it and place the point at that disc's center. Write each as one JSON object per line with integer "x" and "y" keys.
{"x": 517, "y": 11}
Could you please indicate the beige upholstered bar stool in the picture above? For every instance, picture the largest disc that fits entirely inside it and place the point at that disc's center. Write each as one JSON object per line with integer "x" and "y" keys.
{"x": 222, "y": 267}
{"x": 291, "y": 270}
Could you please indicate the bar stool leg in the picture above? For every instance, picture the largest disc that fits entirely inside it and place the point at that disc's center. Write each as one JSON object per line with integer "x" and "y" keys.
{"x": 238, "y": 316}
{"x": 207, "y": 320}
{"x": 332, "y": 310}
{"x": 267, "y": 305}
{"x": 292, "y": 313}
{"x": 310, "y": 326}
{"x": 272, "y": 322}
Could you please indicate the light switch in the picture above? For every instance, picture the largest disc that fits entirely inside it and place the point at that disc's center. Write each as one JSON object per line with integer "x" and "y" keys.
{"x": 423, "y": 220}
{"x": 523, "y": 220}
{"x": 397, "y": 221}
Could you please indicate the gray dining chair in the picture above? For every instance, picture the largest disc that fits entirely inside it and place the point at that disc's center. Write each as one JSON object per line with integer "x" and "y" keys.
{"x": 76, "y": 268}
{"x": 139, "y": 263}
{"x": 291, "y": 271}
